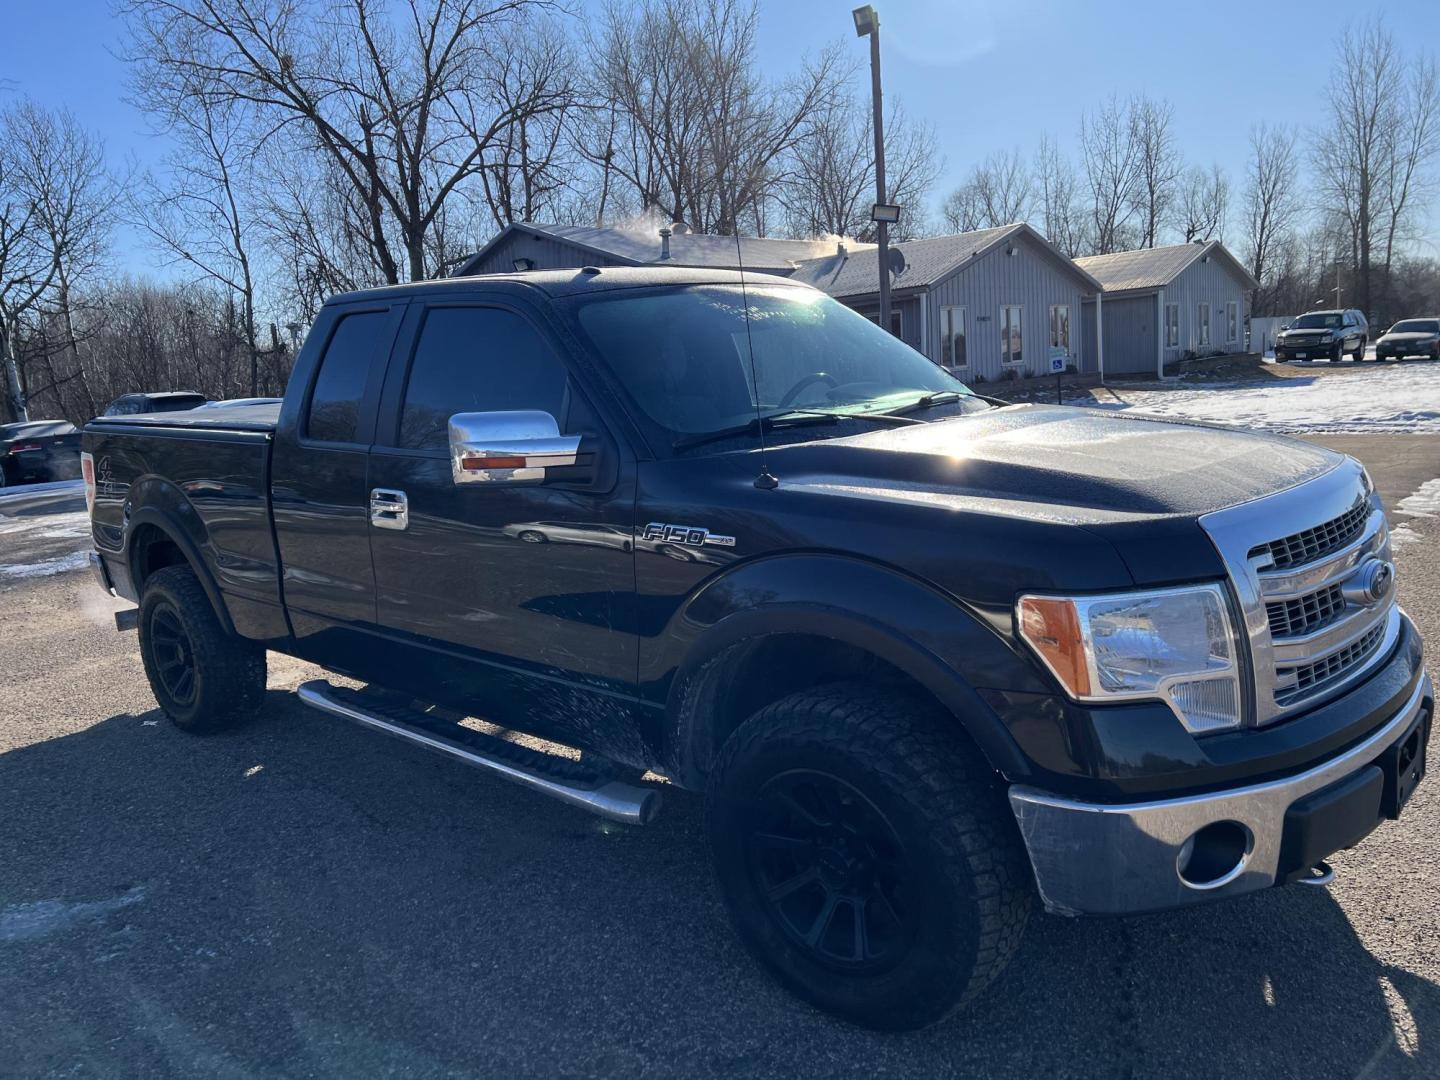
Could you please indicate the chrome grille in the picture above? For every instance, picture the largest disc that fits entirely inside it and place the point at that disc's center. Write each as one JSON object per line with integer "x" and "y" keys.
{"x": 1307, "y": 640}
{"x": 1315, "y": 543}
{"x": 1296, "y": 618}
{"x": 1311, "y": 679}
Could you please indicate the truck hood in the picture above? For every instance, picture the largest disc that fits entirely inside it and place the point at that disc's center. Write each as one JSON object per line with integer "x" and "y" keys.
{"x": 1081, "y": 464}
{"x": 1050, "y": 495}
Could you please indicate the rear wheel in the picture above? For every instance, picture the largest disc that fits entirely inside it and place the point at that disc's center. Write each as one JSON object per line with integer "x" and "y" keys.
{"x": 867, "y": 855}
{"x": 203, "y": 678}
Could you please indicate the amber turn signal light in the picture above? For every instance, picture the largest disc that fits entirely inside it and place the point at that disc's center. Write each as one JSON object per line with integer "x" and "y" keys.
{"x": 1052, "y": 628}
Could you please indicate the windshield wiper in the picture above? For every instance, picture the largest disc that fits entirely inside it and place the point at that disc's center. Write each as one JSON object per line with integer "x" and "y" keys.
{"x": 925, "y": 401}
{"x": 768, "y": 422}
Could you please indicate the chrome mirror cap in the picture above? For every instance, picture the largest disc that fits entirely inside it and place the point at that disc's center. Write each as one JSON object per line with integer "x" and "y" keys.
{"x": 508, "y": 447}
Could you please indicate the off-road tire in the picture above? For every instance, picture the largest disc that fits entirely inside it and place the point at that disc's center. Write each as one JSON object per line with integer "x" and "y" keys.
{"x": 227, "y": 673}
{"x": 971, "y": 889}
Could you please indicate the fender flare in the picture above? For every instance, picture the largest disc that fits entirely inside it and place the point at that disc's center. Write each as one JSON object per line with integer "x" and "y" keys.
{"x": 169, "y": 523}
{"x": 930, "y": 637}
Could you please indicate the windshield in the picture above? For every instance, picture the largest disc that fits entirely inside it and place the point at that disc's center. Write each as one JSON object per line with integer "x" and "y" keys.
{"x": 1416, "y": 326}
{"x": 683, "y": 357}
{"x": 1318, "y": 321}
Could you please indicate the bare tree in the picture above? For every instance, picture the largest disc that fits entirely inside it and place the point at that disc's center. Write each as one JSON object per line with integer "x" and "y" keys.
{"x": 996, "y": 193}
{"x": 1057, "y": 199}
{"x": 55, "y": 204}
{"x": 830, "y": 177}
{"x": 1204, "y": 204}
{"x": 404, "y": 108}
{"x": 201, "y": 214}
{"x": 1111, "y": 153}
{"x": 1372, "y": 153}
{"x": 1271, "y": 208}
{"x": 1159, "y": 166}
{"x": 700, "y": 136}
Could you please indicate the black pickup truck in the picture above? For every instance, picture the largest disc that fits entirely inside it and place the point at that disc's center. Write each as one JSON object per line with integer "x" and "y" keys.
{"x": 927, "y": 656}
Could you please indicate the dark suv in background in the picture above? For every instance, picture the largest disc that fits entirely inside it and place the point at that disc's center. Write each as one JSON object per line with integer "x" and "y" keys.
{"x": 1324, "y": 335}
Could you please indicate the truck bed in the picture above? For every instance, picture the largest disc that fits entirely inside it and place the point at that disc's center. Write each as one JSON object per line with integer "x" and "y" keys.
{"x": 261, "y": 418}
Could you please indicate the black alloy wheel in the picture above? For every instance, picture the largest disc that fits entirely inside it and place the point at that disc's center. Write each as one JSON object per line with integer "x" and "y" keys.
{"x": 833, "y": 872}
{"x": 174, "y": 654}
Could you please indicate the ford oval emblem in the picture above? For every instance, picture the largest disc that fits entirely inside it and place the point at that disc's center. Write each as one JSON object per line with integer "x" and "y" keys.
{"x": 1370, "y": 583}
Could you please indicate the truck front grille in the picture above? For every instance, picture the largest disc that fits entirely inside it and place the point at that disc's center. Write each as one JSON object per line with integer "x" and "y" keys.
{"x": 1307, "y": 641}
{"x": 1310, "y": 544}
{"x": 1311, "y": 679}
{"x": 1296, "y": 618}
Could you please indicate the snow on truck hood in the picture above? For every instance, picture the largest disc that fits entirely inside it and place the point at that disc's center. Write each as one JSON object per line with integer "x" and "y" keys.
{"x": 1058, "y": 463}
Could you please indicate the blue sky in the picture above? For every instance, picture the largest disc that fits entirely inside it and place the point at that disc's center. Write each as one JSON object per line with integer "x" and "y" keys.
{"x": 988, "y": 74}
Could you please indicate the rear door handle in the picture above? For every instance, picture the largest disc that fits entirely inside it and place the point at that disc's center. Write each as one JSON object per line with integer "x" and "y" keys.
{"x": 389, "y": 509}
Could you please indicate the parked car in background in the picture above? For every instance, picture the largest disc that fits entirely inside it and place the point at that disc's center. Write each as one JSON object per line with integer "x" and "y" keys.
{"x": 241, "y": 402}
{"x": 1410, "y": 337}
{"x": 1324, "y": 335}
{"x": 39, "y": 450}
{"x": 164, "y": 401}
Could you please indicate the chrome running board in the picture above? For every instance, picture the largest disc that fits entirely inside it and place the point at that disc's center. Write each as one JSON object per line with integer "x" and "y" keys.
{"x": 579, "y": 786}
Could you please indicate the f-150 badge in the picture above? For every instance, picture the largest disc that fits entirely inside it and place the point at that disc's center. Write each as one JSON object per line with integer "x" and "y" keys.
{"x": 689, "y": 535}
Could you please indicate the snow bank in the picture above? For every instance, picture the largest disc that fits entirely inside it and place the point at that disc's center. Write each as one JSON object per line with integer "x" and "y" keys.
{"x": 76, "y": 560}
{"x": 1424, "y": 503}
{"x": 1398, "y": 398}
{"x": 21, "y": 491}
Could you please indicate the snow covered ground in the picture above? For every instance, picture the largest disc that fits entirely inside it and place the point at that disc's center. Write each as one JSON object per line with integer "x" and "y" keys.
{"x": 1373, "y": 400}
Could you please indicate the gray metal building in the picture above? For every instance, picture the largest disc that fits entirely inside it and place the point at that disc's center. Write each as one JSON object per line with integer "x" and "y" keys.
{"x": 980, "y": 303}
{"x": 528, "y": 246}
{"x": 1163, "y": 304}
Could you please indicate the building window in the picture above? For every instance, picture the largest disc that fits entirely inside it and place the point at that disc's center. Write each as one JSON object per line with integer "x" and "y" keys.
{"x": 897, "y": 324}
{"x": 1172, "y": 326}
{"x": 1232, "y": 321}
{"x": 1010, "y": 345}
{"x": 1060, "y": 329}
{"x": 952, "y": 338}
{"x": 1202, "y": 326}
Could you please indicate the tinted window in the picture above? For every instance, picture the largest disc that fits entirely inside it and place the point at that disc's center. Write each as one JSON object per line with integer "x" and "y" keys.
{"x": 683, "y": 356}
{"x": 1327, "y": 320}
{"x": 344, "y": 370}
{"x": 476, "y": 360}
{"x": 1416, "y": 326}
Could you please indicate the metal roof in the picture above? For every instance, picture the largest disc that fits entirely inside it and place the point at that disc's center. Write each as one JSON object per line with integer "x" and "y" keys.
{"x": 1155, "y": 268}
{"x": 641, "y": 247}
{"x": 926, "y": 262}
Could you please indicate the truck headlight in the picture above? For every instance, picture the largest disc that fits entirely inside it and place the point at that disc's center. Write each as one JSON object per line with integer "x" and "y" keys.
{"x": 1174, "y": 645}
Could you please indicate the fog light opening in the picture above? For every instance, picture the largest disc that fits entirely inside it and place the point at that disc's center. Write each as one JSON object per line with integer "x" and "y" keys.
{"x": 1215, "y": 855}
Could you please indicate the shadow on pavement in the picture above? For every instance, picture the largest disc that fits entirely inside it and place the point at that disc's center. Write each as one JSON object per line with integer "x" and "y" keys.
{"x": 302, "y": 897}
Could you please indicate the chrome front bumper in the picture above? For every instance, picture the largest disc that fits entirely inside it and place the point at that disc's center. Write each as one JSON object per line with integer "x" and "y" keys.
{"x": 1104, "y": 859}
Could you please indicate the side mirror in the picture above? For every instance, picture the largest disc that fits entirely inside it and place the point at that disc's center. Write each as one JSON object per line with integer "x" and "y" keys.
{"x": 508, "y": 447}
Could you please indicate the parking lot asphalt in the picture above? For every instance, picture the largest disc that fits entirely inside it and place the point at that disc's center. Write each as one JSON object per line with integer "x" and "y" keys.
{"x": 303, "y": 898}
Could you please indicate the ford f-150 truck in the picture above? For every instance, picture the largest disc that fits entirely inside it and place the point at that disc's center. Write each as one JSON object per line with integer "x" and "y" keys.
{"x": 928, "y": 656}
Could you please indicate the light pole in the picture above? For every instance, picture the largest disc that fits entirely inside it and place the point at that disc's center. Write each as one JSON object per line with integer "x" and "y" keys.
{"x": 883, "y": 214}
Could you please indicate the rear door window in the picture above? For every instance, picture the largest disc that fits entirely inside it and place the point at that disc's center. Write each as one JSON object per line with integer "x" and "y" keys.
{"x": 344, "y": 373}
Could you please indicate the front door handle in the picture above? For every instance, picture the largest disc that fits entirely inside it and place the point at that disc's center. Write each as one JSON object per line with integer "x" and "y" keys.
{"x": 389, "y": 509}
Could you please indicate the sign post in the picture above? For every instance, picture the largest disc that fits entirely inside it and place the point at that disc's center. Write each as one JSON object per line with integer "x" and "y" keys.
{"x": 1057, "y": 368}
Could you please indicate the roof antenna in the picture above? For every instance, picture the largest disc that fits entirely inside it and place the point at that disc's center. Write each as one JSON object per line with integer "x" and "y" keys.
{"x": 766, "y": 481}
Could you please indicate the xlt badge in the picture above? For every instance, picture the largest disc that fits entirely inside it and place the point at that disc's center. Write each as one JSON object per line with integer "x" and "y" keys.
{"x": 689, "y": 535}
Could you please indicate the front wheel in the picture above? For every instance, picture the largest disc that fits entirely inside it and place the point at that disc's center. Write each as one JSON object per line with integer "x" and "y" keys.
{"x": 203, "y": 678}
{"x": 867, "y": 855}
{"x": 1360, "y": 350}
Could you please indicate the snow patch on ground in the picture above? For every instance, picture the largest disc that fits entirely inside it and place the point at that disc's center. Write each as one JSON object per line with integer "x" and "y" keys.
{"x": 22, "y": 491}
{"x": 45, "y": 918}
{"x": 47, "y": 526}
{"x": 1401, "y": 535}
{"x": 1424, "y": 503}
{"x": 1398, "y": 398}
{"x": 76, "y": 560}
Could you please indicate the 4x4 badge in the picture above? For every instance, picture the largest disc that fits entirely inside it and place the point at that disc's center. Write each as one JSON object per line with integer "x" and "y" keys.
{"x": 689, "y": 535}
